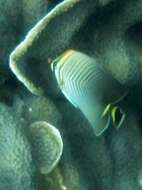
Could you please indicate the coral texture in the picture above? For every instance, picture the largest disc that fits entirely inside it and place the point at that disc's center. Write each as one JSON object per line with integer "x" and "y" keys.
{"x": 32, "y": 35}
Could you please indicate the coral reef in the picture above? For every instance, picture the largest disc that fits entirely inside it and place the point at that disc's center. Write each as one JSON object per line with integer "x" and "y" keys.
{"x": 47, "y": 145}
{"x": 16, "y": 168}
{"x": 45, "y": 142}
{"x": 28, "y": 148}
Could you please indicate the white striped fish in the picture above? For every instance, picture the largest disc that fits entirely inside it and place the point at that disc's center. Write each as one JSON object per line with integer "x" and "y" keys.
{"x": 87, "y": 86}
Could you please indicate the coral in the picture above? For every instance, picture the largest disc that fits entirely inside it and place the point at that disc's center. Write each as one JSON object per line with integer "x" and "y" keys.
{"x": 16, "y": 168}
{"x": 25, "y": 150}
{"x": 47, "y": 145}
{"x": 41, "y": 109}
{"x": 108, "y": 31}
{"x": 17, "y": 17}
{"x": 107, "y": 42}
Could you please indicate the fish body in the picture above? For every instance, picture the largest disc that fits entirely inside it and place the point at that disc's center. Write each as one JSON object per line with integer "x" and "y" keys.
{"x": 87, "y": 86}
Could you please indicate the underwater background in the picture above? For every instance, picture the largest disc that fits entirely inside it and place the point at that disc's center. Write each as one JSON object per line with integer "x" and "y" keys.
{"x": 70, "y": 95}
